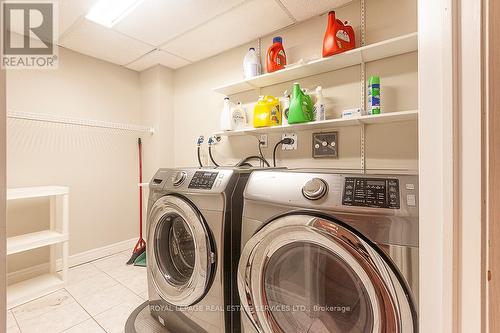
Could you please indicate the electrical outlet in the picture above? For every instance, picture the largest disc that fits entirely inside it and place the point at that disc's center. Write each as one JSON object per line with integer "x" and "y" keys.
{"x": 325, "y": 145}
{"x": 263, "y": 139}
{"x": 292, "y": 146}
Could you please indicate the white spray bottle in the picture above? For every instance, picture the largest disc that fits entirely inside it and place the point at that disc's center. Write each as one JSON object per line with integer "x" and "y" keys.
{"x": 319, "y": 106}
{"x": 226, "y": 116}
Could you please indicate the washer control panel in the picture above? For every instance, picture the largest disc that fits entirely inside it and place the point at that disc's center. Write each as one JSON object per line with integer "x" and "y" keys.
{"x": 203, "y": 180}
{"x": 371, "y": 192}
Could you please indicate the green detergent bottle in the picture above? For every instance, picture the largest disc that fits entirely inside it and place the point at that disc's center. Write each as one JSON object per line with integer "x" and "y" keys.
{"x": 301, "y": 106}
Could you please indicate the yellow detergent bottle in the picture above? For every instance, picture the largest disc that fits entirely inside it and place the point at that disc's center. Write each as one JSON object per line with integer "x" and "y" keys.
{"x": 267, "y": 112}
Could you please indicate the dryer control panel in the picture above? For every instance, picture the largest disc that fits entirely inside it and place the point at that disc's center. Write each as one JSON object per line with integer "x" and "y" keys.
{"x": 203, "y": 180}
{"x": 371, "y": 192}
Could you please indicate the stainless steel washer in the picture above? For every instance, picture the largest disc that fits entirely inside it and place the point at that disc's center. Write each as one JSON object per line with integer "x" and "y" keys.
{"x": 329, "y": 252}
{"x": 194, "y": 220}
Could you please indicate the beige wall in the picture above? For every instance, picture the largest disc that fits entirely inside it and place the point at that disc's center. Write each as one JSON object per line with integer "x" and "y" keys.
{"x": 392, "y": 146}
{"x": 99, "y": 165}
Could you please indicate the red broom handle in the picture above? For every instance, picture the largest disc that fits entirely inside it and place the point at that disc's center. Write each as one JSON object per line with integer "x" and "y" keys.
{"x": 140, "y": 187}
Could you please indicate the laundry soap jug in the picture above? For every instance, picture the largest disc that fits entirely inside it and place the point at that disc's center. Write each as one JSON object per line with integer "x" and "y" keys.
{"x": 339, "y": 36}
{"x": 251, "y": 64}
{"x": 285, "y": 106}
{"x": 301, "y": 106}
{"x": 267, "y": 112}
{"x": 226, "y": 116}
{"x": 276, "y": 57}
{"x": 239, "y": 117}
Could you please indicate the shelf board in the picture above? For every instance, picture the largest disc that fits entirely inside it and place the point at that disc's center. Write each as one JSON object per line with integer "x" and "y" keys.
{"x": 35, "y": 192}
{"x": 28, "y": 290}
{"x": 34, "y": 240}
{"x": 389, "y": 117}
{"x": 384, "y": 49}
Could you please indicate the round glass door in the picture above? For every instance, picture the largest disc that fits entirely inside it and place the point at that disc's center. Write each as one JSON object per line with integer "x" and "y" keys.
{"x": 302, "y": 274}
{"x": 182, "y": 258}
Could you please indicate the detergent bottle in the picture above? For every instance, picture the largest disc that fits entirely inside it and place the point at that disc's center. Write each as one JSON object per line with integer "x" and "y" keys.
{"x": 226, "y": 116}
{"x": 339, "y": 36}
{"x": 319, "y": 106}
{"x": 276, "y": 57}
{"x": 301, "y": 106}
{"x": 239, "y": 117}
{"x": 267, "y": 112}
{"x": 285, "y": 106}
{"x": 251, "y": 64}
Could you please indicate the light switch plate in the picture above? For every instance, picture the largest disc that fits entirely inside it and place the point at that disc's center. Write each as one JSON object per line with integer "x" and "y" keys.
{"x": 325, "y": 145}
{"x": 292, "y": 146}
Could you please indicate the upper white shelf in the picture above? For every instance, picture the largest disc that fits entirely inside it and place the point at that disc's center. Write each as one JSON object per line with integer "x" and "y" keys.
{"x": 385, "y": 49}
{"x": 390, "y": 117}
{"x": 35, "y": 192}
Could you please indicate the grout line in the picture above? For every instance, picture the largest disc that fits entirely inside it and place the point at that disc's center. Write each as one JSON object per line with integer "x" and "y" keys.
{"x": 91, "y": 317}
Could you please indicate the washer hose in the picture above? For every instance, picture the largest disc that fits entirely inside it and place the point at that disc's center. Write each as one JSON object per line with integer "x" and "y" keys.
{"x": 211, "y": 157}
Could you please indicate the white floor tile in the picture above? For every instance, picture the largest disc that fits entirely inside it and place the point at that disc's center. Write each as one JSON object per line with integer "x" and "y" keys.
{"x": 11, "y": 321}
{"x": 92, "y": 285}
{"x": 112, "y": 262}
{"x": 42, "y": 305}
{"x": 114, "y": 319}
{"x": 13, "y": 329}
{"x": 55, "y": 321}
{"x": 135, "y": 278}
{"x": 88, "y": 326}
{"x": 83, "y": 272}
{"x": 107, "y": 298}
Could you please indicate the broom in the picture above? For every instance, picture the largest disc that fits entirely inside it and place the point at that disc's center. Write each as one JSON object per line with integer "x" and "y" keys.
{"x": 140, "y": 246}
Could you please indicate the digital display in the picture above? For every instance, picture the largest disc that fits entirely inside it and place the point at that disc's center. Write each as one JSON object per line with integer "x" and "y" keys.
{"x": 375, "y": 182}
{"x": 370, "y": 192}
{"x": 203, "y": 180}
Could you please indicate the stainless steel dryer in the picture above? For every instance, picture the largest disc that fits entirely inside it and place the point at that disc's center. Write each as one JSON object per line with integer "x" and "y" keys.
{"x": 194, "y": 219}
{"x": 326, "y": 252}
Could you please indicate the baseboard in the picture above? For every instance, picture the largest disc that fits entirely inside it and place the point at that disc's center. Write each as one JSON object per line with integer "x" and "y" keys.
{"x": 74, "y": 260}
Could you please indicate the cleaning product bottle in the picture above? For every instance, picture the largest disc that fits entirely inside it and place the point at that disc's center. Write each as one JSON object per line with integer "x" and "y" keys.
{"x": 225, "y": 117}
{"x": 251, "y": 64}
{"x": 319, "y": 106}
{"x": 285, "y": 106}
{"x": 301, "y": 106}
{"x": 276, "y": 57}
{"x": 374, "y": 95}
{"x": 339, "y": 37}
{"x": 239, "y": 117}
{"x": 267, "y": 112}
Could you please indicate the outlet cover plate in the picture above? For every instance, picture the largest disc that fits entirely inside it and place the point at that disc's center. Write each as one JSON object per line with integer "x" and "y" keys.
{"x": 325, "y": 145}
{"x": 292, "y": 146}
{"x": 263, "y": 139}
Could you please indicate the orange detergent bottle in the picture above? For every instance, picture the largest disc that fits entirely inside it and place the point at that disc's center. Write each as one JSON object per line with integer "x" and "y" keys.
{"x": 339, "y": 37}
{"x": 276, "y": 57}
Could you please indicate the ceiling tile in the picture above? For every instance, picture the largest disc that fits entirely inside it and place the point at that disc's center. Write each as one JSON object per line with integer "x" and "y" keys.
{"x": 241, "y": 25}
{"x": 157, "y": 21}
{"x": 70, "y": 11}
{"x": 304, "y": 9}
{"x": 97, "y": 41}
{"x": 157, "y": 57}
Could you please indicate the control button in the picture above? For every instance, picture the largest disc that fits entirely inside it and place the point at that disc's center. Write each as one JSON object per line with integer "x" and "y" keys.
{"x": 316, "y": 146}
{"x": 178, "y": 178}
{"x": 324, "y": 143}
{"x": 411, "y": 200}
{"x": 410, "y": 186}
{"x": 332, "y": 144}
{"x": 314, "y": 189}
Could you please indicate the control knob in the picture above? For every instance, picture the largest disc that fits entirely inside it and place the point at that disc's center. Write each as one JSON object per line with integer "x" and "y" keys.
{"x": 315, "y": 189}
{"x": 178, "y": 178}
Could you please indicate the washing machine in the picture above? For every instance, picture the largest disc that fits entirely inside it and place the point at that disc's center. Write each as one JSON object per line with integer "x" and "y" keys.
{"x": 327, "y": 252}
{"x": 193, "y": 232}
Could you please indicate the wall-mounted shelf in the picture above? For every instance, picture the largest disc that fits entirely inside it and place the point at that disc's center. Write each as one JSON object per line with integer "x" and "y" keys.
{"x": 25, "y": 291}
{"x": 385, "y": 49}
{"x": 390, "y": 117}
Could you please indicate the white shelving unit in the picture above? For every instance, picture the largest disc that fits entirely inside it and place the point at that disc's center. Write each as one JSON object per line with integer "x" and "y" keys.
{"x": 384, "y": 49}
{"x": 28, "y": 290}
{"x": 390, "y": 117}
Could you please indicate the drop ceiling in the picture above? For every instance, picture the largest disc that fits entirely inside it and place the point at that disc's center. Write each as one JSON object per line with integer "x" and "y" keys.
{"x": 175, "y": 33}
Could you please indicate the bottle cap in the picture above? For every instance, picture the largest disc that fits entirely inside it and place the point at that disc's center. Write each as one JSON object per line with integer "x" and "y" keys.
{"x": 277, "y": 39}
{"x": 251, "y": 49}
{"x": 226, "y": 98}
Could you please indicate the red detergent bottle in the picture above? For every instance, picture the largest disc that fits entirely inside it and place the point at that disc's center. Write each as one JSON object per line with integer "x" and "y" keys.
{"x": 339, "y": 37}
{"x": 276, "y": 57}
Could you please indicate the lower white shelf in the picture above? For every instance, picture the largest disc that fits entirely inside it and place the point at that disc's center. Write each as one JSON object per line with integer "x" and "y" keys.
{"x": 28, "y": 290}
{"x": 389, "y": 117}
{"x": 34, "y": 240}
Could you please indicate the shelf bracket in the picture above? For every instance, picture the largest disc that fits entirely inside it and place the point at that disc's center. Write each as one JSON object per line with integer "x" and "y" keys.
{"x": 363, "y": 140}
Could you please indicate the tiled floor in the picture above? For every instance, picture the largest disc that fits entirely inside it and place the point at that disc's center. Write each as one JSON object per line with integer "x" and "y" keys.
{"x": 99, "y": 298}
